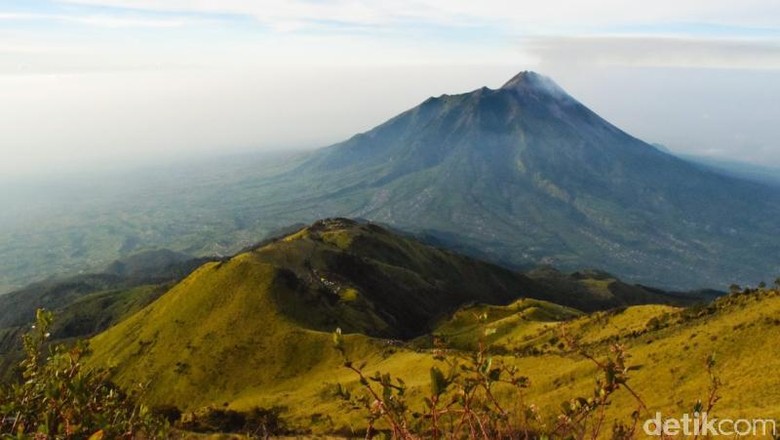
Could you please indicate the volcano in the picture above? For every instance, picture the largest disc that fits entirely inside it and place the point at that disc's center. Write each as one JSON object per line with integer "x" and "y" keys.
{"x": 526, "y": 175}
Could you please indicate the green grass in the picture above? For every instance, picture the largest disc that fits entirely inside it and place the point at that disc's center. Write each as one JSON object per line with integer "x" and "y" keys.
{"x": 341, "y": 238}
{"x": 505, "y": 323}
{"x": 226, "y": 335}
{"x": 670, "y": 373}
{"x": 219, "y": 327}
{"x": 254, "y": 330}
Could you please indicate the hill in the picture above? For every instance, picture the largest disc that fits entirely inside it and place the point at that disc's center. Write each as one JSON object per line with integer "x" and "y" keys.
{"x": 255, "y": 329}
{"x": 357, "y": 276}
{"x": 90, "y": 303}
{"x": 145, "y": 268}
{"x": 668, "y": 347}
{"x": 248, "y": 333}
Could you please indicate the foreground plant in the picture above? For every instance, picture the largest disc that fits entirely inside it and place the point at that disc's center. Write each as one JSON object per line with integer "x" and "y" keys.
{"x": 463, "y": 401}
{"x": 57, "y": 398}
{"x": 584, "y": 417}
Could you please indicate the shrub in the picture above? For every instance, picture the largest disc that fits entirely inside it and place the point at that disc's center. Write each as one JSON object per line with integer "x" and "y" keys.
{"x": 57, "y": 398}
{"x": 462, "y": 401}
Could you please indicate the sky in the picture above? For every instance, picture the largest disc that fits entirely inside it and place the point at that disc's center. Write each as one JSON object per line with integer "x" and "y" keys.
{"x": 102, "y": 83}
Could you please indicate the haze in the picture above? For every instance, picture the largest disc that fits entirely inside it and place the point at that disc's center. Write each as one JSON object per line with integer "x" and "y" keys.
{"x": 97, "y": 83}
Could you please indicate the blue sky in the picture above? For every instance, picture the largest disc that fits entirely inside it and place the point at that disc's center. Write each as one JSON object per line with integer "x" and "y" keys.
{"x": 85, "y": 82}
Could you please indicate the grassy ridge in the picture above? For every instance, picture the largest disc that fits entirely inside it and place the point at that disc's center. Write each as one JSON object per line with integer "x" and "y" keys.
{"x": 254, "y": 330}
{"x": 210, "y": 343}
{"x": 360, "y": 277}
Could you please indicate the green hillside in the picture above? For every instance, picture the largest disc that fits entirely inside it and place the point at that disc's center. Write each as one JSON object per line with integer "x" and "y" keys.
{"x": 145, "y": 268}
{"x": 90, "y": 303}
{"x": 255, "y": 331}
{"x": 214, "y": 336}
{"x": 264, "y": 316}
{"x": 212, "y": 340}
{"x": 668, "y": 347}
{"x": 358, "y": 276}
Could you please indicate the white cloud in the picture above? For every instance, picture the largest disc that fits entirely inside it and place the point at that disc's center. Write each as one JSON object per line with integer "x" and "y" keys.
{"x": 655, "y": 52}
{"x": 604, "y": 32}
{"x": 118, "y": 22}
{"x": 521, "y": 16}
{"x": 99, "y": 20}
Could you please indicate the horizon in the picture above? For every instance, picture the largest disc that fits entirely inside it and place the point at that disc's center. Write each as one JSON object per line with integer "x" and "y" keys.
{"x": 94, "y": 83}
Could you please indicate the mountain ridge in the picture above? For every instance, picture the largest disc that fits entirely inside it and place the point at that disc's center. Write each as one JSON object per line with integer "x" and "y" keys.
{"x": 246, "y": 324}
{"x": 364, "y": 255}
{"x": 227, "y": 336}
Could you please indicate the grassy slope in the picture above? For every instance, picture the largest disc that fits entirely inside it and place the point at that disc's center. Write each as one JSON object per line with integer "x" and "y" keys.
{"x": 156, "y": 267}
{"x": 271, "y": 361}
{"x": 360, "y": 277}
{"x": 223, "y": 335}
{"x": 523, "y": 317}
{"x": 254, "y": 331}
{"x": 215, "y": 335}
{"x": 250, "y": 323}
{"x": 743, "y": 332}
{"x": 85, "y": 316}
{"x": 670, "y": 374}
{"x": 88, "y": 304}
{"x": 247, "y": 327}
